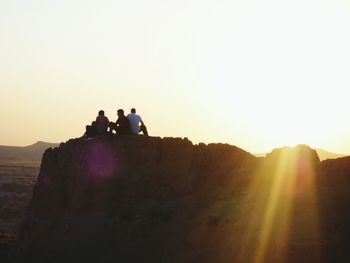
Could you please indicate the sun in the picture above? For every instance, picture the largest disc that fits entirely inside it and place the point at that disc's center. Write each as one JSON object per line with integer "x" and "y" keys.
{"x": 280, "y": 121}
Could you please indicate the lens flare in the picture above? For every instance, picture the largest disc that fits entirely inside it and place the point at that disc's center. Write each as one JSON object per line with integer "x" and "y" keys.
{"x": 100, "y": 161}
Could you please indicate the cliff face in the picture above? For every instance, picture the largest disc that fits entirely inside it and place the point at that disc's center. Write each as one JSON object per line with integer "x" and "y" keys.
{"x": 144, "y": 199}
{"x": 124, "y": 198}
{"x": 87, "y": 177}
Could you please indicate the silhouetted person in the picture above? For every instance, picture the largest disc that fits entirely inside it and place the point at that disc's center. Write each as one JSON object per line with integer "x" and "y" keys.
{"x": 91, "y": 131}
{"x": 135, "y": 121}
{"x": 101, "y": 123}
{"x": 122, "y": 125}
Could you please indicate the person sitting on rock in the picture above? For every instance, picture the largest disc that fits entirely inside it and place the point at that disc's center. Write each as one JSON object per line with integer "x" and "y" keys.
{"x": 121, "y": 126}
{"x": 135, "y": 121}
{"x": 91, "y": 131}
{"x": 101, "y": 123}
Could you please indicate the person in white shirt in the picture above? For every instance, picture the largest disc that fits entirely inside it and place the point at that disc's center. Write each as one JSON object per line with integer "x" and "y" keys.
{"x": 135, "y": 121}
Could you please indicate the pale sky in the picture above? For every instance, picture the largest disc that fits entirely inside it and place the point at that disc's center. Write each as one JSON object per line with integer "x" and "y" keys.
{"x": 255, "y": 74}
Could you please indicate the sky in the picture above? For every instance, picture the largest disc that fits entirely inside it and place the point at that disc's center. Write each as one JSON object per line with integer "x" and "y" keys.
{"x": 255, "y": 74}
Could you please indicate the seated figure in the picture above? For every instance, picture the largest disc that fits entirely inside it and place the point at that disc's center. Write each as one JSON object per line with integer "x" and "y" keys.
{"x": 121, "y": 126}
{"x": 101, "y": 123}
{"x": 135, "y": 121}
{"x": 90, "y": 131}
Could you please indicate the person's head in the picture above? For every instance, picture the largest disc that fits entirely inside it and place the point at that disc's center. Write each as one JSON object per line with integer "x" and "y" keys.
{"x": 120, "y": 112}
{"x": 133, "y": 110}
{"x": 101, "y": 113}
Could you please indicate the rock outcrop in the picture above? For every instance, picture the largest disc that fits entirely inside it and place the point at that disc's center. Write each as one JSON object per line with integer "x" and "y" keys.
{"x": 145, "y": 199}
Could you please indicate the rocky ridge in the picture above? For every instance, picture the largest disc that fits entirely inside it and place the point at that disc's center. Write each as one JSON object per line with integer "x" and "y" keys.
{"x": 146, "y": 199}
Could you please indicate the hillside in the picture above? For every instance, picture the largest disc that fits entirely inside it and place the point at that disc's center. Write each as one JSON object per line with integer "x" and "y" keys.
{"x": 144, "y": 199}
{"x": 31, "y": 154}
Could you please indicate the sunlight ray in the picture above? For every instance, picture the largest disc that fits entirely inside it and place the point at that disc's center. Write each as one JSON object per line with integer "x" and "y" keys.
{"x": 286, "y": 201}
{"x": 271, "y": 208}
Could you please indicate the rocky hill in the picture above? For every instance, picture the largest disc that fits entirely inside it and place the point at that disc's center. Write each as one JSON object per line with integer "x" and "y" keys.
{"x": 144, "y": 199}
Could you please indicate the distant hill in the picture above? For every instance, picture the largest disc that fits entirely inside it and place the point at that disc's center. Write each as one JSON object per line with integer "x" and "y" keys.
{"x": 322, "y": 154}
{"x": 30, "y": 154}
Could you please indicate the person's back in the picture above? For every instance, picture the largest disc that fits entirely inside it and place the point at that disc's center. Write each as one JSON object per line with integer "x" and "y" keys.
{"x": 101, "y": 123}
{"x": 135, "y": 121}
{"x": 123, "y": 124}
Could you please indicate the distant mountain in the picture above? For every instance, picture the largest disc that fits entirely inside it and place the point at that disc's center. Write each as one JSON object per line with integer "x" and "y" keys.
{"x": 27, "y": 154}
{"x": 322, "y": 154}
{"x": 260, "y": 154}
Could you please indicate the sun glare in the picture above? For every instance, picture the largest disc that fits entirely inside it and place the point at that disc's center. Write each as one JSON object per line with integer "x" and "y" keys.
{"x": 286, "y": 191}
